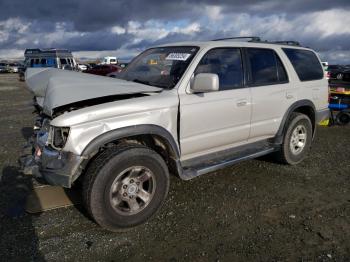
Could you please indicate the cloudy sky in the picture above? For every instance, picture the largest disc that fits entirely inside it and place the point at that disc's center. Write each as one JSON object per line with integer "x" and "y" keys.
{"x": 96, "y": 28}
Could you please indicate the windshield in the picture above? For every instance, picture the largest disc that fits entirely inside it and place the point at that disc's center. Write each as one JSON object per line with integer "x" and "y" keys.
{"x": 160, "y": 67}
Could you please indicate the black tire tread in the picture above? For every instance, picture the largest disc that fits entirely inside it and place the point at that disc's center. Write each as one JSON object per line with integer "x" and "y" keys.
{"x": 97, "y": 164}
{"x": 280, "y": 156}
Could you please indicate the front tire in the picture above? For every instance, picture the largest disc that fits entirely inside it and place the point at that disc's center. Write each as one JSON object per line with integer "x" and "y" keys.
{"x": 125, "y": 186}
{"x": 297, "y": 140}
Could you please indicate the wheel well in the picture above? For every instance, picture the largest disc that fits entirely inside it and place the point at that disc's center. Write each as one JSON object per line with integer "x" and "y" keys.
{"x": 155, "y": 142}
{"x": 305, "y": 108}
{"x": 310, "y": 112}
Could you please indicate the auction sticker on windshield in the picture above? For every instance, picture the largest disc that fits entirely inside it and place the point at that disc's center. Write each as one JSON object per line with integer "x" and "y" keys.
{"x": 178, "y": 56}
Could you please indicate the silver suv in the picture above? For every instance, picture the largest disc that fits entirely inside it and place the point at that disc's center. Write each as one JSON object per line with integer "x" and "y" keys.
{"x": 185, "y": 109}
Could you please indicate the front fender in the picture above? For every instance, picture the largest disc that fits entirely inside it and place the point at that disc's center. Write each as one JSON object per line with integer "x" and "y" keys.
{"x": 125, "y": 132}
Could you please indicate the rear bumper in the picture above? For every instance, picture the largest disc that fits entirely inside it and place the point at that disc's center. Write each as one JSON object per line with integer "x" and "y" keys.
{"x": 322, "y": 115}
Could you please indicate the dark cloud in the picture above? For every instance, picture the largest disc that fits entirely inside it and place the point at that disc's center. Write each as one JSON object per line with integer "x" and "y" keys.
{"x": 91, "y": 15}
{"x": 87, "y": 25}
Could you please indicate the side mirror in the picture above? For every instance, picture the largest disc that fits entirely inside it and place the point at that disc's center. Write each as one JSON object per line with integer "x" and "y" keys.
{"x": 205, "y": 82}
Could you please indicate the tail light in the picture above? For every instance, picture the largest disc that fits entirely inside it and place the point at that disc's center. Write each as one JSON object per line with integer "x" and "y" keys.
{"x": 328, "y": 75}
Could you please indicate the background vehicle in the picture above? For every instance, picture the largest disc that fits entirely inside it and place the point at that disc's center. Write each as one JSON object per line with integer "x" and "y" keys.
{"x": 339, "y": 103}
{"x": 83, "y": 67}
{"x": 54, "y": 58}
{"x": 325, "y": 65}
{"x": 14, "y": 67}
{"x": 103, "y": 70}
{"x": 123, "y": 65}
{"x": 117, "y": 73}
{"x": 4, "y": 68}
{"x": 335, "y": 72}
{"x": 109, "y": 60}
{"x": 91, "y": 65}
{"x": 346, "y": 74}
{"x": 185, "y": 109}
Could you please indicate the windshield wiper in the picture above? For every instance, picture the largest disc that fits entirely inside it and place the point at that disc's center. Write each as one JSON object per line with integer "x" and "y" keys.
{"x": 141, "y": 82}
{"x": 151, "y": 84}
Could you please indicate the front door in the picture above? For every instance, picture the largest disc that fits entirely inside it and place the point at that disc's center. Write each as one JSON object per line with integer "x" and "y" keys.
{"x": 215, "y": 120}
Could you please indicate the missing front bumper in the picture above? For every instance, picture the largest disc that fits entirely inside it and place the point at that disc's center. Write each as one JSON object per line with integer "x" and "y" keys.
{"x": 55, "y": 167}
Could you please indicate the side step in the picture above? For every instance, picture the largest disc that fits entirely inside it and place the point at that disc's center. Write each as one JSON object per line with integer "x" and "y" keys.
{"x": 215, "y": 161}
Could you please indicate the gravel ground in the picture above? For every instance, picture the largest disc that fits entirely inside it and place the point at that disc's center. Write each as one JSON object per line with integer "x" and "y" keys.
{"x": 253, "y": 211}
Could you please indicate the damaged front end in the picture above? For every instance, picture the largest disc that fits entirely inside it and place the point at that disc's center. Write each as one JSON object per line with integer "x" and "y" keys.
{"x": 43, "y": 156}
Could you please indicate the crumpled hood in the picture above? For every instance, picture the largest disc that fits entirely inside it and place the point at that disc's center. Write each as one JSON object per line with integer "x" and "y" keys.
{"x": 60, "y": 87}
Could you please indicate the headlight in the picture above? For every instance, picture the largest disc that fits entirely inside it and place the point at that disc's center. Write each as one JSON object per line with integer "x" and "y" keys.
{"x": 58, "y": 136}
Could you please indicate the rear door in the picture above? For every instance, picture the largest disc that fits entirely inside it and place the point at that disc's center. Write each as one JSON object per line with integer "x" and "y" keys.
{"x": 272, "y": 93}
{"x": 312, "y": 83}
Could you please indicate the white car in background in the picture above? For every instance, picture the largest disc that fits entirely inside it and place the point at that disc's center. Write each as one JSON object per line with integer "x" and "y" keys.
{"x": 110, "y": 60}
{"x": 82, "y": 67}
{"x": 13, "y": 67}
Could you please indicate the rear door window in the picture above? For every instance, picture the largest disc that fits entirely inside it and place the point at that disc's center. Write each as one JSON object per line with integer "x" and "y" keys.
{"x": 306, "y": 64}
{"x": 266, "y": 67}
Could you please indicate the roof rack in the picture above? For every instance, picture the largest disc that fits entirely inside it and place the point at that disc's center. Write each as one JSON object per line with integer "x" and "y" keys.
{"x": 45, "y": 50}
{"x": 257, "y": 39}
{"x": 295, "y": 43}
{"x": 252, "y": 38}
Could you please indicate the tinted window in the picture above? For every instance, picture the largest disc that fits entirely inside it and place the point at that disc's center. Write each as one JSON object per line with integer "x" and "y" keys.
{"x": 63, "y": 61}
{"x": 281, "y": 71}
{"x": 226, "y": 63}
{"x": 266, "y": 67}
{"x": 263, "y": 66}
{"x": 305, "y": 63}
{"x": 51, "y": 62}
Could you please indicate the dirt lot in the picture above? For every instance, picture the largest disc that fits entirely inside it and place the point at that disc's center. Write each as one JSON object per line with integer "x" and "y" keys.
{"x": 254, "y": 211}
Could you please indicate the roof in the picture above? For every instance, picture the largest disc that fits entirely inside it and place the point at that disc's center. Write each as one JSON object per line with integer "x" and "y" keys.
{"x": 36, "y": 52}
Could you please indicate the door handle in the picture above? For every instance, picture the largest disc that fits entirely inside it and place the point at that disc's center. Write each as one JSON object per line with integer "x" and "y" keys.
{"x": 242, "y": 102}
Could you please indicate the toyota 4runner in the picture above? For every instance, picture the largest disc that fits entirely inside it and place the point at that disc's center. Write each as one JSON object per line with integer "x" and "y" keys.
{"x": 185, "y": 109}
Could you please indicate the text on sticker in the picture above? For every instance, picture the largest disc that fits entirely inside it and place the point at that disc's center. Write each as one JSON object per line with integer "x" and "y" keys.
{"x": 178, "y": 56}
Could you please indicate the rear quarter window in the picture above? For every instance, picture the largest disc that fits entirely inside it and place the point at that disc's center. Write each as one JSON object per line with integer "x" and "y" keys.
{"x": 305, "y": 63}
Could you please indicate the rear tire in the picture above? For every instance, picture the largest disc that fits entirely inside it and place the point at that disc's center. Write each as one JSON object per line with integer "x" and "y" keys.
{"x": 297, "y": 140}
{"x": 125, "y": 186}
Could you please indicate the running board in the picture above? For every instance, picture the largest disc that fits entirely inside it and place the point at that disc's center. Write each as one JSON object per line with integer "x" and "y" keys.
{"x": 213, "y": 162}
